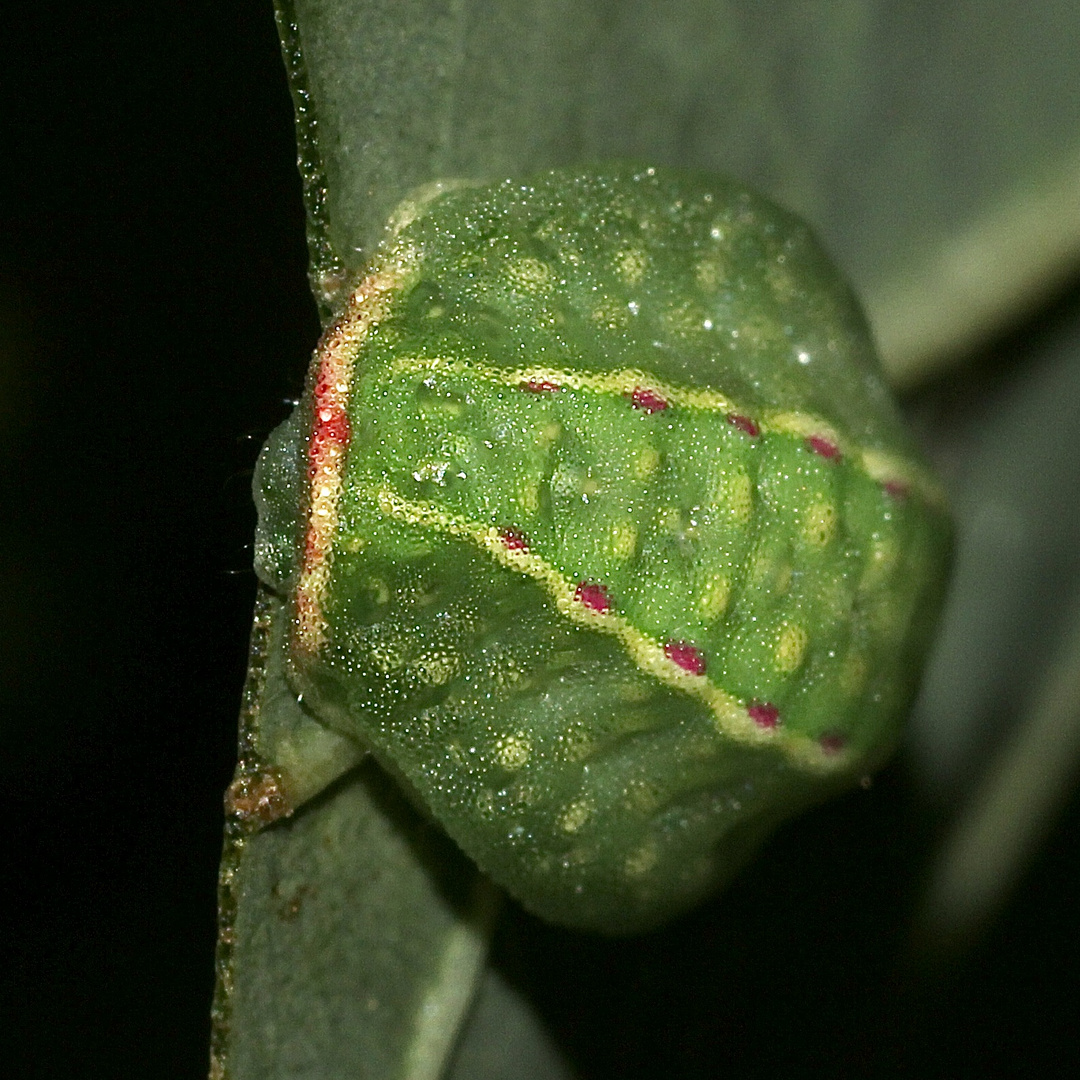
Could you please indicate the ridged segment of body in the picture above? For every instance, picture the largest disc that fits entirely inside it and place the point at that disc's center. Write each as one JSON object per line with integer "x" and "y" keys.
{"x": 610, "y": 543}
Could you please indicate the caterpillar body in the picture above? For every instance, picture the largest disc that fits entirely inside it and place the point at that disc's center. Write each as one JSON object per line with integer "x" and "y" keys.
{"x": 599, "y": 528}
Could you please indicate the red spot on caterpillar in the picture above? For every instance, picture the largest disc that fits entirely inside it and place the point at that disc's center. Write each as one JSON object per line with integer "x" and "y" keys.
{"x": 538, "y": 386}
{"x": 744, "y": 423}
{"x": 764, "y": 715}
{"x": 331, "y": 426}
{"x": 896, "y": 489}
{"x": 832, "y": 743}
{"x": 684, "y": 655}
{"x": 647, "y": 400}
{"x": 594, "y": 597}
{"x": 514, "y": 540}
{"x": 330, "y": 435}
{"x": 823, "y": 447}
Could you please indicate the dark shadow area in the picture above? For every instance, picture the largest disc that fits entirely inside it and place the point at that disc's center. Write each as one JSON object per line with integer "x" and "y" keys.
{"x": 152, "y": 250}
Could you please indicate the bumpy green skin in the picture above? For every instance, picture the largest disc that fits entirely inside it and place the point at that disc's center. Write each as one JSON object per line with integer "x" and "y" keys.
{"x": 629, "y": 557}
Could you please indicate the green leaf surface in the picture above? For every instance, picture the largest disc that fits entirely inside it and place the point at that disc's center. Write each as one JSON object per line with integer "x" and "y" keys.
{"x": 352, "y": 934}
{"x": 936, "y": 148}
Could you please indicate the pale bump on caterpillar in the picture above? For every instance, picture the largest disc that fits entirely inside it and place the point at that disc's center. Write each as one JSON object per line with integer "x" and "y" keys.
{"x": 597, "y": 525}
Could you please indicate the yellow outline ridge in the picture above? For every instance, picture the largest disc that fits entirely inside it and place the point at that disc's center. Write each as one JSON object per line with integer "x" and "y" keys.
{"x": 879, "y": 466}
{"x": 729, "y": 713}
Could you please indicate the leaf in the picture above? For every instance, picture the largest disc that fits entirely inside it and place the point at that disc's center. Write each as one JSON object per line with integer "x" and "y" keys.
{"x": 1001, "y": 693}
{"x": 935, "y": 148}
{"x": 351, "y": 934}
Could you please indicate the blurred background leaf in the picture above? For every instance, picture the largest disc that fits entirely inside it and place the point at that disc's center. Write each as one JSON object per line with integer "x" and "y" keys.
{"x": 935, "y": 147}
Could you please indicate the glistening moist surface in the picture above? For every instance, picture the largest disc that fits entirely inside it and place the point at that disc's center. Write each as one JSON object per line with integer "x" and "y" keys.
{"x": 613, "y": 546}
{"x": 749, "y": 561}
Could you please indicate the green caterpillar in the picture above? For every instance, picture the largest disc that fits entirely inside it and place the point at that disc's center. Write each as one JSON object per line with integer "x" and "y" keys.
{"x": 599, "y": 528}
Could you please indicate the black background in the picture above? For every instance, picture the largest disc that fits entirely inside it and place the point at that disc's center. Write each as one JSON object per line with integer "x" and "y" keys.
{"x": 154, "y": 319}
{"x": 153, "y": 288}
